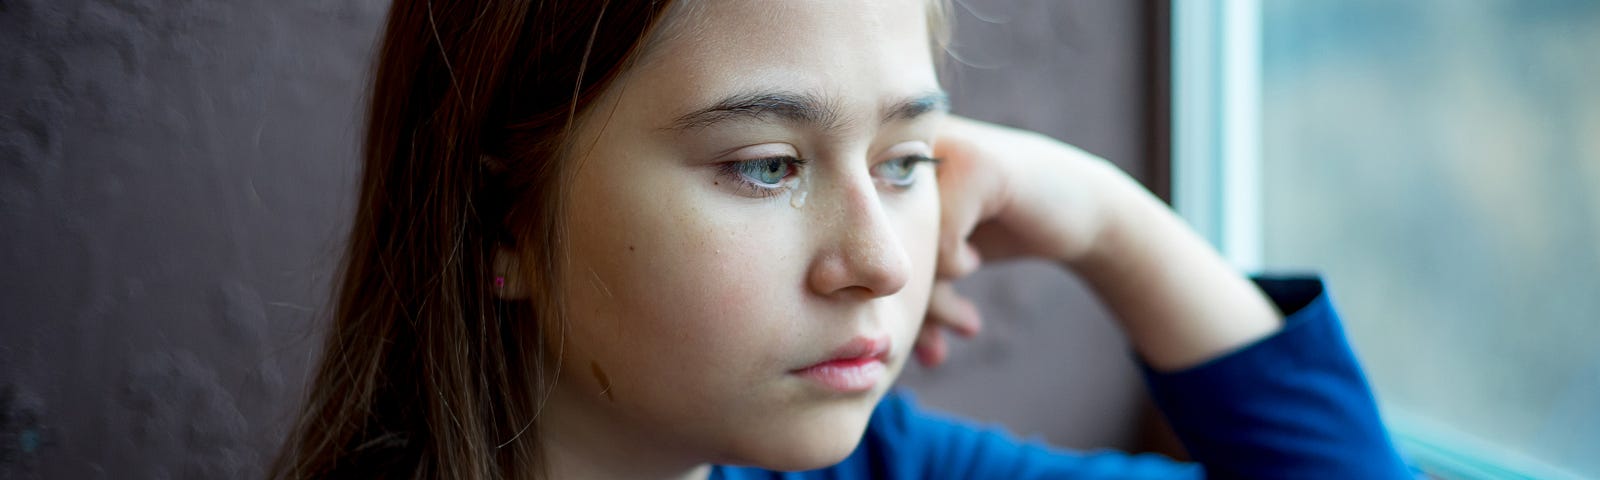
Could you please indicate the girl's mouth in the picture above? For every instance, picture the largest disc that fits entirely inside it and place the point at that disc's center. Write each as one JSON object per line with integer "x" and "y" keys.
{"x": 857, "y": 366}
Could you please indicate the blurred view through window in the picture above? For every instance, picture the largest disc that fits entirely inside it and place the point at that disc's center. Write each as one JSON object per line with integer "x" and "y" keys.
{"x": 1439, "y": 161}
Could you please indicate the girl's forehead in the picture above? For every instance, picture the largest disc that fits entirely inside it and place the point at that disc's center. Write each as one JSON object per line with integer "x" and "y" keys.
{"x": 738, "y": 33}
{"x": 854, "y": 53}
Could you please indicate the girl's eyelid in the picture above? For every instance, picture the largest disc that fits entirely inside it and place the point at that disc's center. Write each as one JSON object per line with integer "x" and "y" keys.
{"x": 915, "y": 151}
{"x": 756, "y": 152}
{"x": 914, "y": 148}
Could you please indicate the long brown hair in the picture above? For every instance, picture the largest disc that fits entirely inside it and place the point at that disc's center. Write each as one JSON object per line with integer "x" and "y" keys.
{"x": 424, "y": 373}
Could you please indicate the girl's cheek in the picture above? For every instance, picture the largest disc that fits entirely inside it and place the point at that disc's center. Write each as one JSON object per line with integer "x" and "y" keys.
{"x": 729, "y": 263}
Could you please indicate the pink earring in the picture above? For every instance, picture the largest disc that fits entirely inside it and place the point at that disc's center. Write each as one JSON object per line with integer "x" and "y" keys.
{"x": 499, "y": 281}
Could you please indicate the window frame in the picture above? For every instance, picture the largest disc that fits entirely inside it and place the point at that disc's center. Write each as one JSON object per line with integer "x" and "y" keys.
{"x": 1215, "y": 165}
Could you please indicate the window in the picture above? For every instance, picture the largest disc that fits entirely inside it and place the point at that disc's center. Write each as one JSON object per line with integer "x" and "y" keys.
{"x": 1438, "y": 162}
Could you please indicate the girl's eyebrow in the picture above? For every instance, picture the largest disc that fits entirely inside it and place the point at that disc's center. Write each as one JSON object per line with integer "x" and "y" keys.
{"x": 800, "y": 108}
{"x": 911, "y": 107}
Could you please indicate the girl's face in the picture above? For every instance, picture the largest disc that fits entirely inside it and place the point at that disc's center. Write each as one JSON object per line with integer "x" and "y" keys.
{"x": 748, "y": 203}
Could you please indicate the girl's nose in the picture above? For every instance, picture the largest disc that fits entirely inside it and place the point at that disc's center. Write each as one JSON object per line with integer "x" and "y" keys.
{"x": 861, "y": 254}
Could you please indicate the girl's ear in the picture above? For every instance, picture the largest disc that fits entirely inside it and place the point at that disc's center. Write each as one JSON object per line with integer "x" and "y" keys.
{"x": 508, "y": 283}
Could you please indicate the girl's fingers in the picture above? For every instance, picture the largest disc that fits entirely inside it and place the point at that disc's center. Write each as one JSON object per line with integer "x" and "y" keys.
{"x": 967, "y": 193}
{"x": 956, "y": 258}
{"x": 930, "y": 349}
{"x": 959, "y": 215}
{"x": 960, "y": 206}
{"x": 946, "y": 310}
{"x": 957, "y": 261}
{"x": 953, "y": 311}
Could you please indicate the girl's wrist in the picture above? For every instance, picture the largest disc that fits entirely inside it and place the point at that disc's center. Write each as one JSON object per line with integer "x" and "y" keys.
{"x": 1113, "y": 202}
{"x": 1179, "y": 302}
{"x": 1124, "y": 208}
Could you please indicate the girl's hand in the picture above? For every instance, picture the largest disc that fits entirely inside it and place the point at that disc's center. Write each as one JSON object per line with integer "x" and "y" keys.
{"x": 1011, "y": 193}
{"x": 1006, "y": 193}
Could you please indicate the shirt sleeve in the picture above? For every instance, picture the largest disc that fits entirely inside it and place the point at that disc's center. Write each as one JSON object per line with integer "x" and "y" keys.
{"x": 1292, "y": 405}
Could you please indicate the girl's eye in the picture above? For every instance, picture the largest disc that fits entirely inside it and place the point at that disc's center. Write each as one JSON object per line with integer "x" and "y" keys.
{"x": 901, "y": 171}
{"x": 763, "y": 176}
{"x": 766, "y": 172}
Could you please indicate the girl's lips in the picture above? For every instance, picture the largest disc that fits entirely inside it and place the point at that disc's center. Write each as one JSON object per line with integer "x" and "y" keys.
{"x": 856, "y": 366}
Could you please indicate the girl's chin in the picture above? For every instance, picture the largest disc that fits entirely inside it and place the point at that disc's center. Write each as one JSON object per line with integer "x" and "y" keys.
{"x": 809, "y": 446}
{"x": 810, "y": 457}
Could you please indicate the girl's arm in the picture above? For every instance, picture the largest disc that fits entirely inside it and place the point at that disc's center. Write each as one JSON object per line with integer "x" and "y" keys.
{"x": 1009, "y": 193}
{"x": 1251, "y": 392}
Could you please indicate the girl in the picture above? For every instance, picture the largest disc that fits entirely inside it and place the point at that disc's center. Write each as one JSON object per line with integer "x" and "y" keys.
{"x": 701, "y": 238}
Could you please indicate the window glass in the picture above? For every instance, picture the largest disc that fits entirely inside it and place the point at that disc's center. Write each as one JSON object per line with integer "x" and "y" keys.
{"x": 1439, "y": 162}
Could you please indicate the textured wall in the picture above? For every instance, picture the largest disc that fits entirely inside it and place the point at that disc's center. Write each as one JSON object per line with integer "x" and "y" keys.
{"x": 173, "y": 177}
{"x": 175, "y": 174}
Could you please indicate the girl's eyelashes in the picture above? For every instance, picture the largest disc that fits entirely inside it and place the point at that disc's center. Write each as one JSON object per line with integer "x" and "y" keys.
{"x": 901, "y": 172}
{"x": 763, "y": 177}
{"x": 770, "y": 176}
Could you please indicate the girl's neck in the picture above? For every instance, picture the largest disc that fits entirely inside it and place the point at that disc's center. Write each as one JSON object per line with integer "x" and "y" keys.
{"x": 565, "y": 460}
{"x": 580, "y": 442}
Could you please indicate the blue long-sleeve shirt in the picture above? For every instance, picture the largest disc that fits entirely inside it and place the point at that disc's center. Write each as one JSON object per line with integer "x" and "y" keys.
{"x": 1292, "y": 405}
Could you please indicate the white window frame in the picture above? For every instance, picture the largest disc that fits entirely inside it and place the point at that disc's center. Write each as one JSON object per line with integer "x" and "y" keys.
{"x": 1216, "y": 187}
{"x": 1216, "y": 104}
